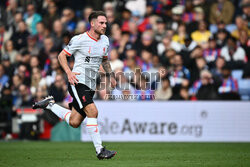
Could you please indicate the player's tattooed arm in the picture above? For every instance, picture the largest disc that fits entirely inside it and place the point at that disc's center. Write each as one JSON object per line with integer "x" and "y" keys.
{"x": 107, "y": 68}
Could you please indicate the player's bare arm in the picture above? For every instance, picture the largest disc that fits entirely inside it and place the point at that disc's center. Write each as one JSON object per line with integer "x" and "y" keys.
{"x": 107, "y": 68}
{"x": 62, "y": 57}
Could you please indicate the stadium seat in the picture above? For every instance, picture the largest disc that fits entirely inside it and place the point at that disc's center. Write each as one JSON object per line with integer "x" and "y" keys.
{"x": 244, "y": 89}
{"x": 237, "y": 74}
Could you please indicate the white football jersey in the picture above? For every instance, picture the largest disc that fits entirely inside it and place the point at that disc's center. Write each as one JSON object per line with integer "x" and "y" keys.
{"x": 88, "y": 53}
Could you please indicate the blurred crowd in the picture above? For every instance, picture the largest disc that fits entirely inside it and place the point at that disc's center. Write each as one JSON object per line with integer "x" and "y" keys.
{"x": 199, "y": 50}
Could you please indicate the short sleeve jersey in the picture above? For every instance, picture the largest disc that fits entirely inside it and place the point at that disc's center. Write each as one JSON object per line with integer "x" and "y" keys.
{"x": 88, "y": 53}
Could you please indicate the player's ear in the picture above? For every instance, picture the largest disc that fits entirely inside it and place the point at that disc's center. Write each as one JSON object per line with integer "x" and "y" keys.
{"x": 92, "y": 23}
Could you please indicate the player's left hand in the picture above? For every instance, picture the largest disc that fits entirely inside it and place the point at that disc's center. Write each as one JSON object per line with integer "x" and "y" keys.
{"x": 113, "y": 82}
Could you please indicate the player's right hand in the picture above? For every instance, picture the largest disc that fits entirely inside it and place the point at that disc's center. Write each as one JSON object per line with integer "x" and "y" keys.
{"x": 72, "y": 78}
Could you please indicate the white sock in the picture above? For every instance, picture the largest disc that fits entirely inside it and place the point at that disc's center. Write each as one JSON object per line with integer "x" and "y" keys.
{"x": 60, "y": 111}
{"x": 94, "y": 133}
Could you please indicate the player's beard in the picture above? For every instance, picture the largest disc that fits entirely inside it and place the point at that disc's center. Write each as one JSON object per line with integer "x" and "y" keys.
{"x": 100, "y": 32}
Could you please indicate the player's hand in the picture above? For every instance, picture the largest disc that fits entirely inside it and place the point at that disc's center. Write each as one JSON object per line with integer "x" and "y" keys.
{"x": 72, "y": 78}
{"x": 113, "y": 82}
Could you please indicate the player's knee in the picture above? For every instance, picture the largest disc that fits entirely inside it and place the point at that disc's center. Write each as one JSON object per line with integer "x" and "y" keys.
{"x": 92, "y": 114}
{"x": 74, "y": 124}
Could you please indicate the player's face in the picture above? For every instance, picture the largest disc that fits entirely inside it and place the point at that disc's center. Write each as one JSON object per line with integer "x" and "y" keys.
{"x": 100, "y": 25}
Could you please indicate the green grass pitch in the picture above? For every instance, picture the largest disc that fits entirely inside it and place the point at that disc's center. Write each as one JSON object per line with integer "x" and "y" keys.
{"x": 77, "y": 154}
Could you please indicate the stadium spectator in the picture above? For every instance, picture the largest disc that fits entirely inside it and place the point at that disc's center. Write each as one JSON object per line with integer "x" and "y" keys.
{"x": 217, "y": 70}
{"x": 123, "y": 86}
{"x": 40, "y": 93}
{"x": 160, "y": 30}
{"x": 86, "y": 12}
{"x": 24, "y": 97}
{"x": 33, "y": 46}
{"x": 196, "y": 53}
{"x": 124, "y": 44}
{"x": 198, "y": 16}
{"x": 81, "y": 27}
{"x": 245, "y": 4}
{"x": 186, "y": 50}
{"x": 199, "y": 65}
{"x": 181, "y": 95}
{"x": 179, "y": 37}
{"x": 51, "y": 15}
{"x": 3, "y": 78}
{"x": 125, "y": 17}
{"x": 167, "y": 57}
{"x": 132, "y": 54}
{"x": 228, "y": 90}
{"x": 221, "y": 38}
{"x": 8, "y": 67}
{"x": 19, "y": 37}
{"x": 147, "y": 42}
{"x": 147, "y": 58}
{"x": 52, "y": 72}
{"x": 16, "y": 82}
{"x": 24, "y": 73}
{"x": 176, "y": 17}
{"x": 167, "y": 44}
{"x": 207, "y": 89}
{"x": 36, "y": 77}
{"x": 41, "y": 35}
{"x": 212, "y": 52}
{"x": 245, "y": 43}
{"x": 58, "y": 89}
{"x": 34, "y": 62}
{"x": 241, "y": 26}
{"x": 108, "y": 6}
{"x": 179, "y": 74}
{"x": 10, "y": 51}
{"x": 130, "y": 67}
{"x": 223, "y": 10}
{"x": 115, "y": 62}
{"x": 164, "y": 92}
{"x": 189, "y": 14}
{"x": 4, "y": 36}
{"x": 201, "y": 35}
{"x": 31, "y": 18}
{"x": 57, "y": 33}
{"x": 11, "y": 11}
{"x": 234, "y": 54}
{"x": 45, "y": 51}
{"x": 142, "y": 90}
{"x": 116, "y": 34}
{"x": 68, "y": 19}
{"x": 24, "y": 57}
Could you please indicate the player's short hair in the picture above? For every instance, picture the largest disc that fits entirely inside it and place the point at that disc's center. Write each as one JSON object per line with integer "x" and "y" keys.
{"x": 95, "y": 14}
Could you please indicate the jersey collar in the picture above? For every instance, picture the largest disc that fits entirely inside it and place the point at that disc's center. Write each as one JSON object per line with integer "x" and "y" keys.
{"x": 91, "y": 36}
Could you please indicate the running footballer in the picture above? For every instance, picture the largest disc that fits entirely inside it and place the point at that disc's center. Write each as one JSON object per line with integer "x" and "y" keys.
{"x": 90, "y": 50}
